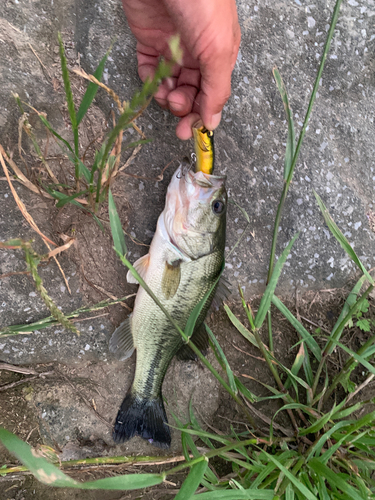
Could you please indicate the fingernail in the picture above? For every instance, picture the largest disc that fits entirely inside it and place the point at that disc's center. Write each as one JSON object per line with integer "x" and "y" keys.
{"x": 169, "y": 83}
{"x": 215, "y": 120}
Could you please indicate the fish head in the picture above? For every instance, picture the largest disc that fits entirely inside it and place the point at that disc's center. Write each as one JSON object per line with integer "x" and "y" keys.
{"x": 195, "y": 212}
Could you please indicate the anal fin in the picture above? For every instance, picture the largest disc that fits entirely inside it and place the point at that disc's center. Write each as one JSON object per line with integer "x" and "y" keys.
{"x": 200, "y": 340}
{"x": 121, "y": 342}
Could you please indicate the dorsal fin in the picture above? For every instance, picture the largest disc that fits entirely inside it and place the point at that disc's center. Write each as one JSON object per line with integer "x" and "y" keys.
{"x": 141, "y": 266}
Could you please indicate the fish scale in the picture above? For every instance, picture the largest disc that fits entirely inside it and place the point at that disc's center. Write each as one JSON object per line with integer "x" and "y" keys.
{"x": 170, "y": 341}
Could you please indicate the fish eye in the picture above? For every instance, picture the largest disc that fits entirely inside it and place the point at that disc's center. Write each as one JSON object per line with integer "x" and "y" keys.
{"x": 218, "y": 207}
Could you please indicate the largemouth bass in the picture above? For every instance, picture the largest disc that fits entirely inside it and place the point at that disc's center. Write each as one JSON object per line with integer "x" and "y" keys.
{"x": 185, "y": 259}
{"x": 204, "y": 148}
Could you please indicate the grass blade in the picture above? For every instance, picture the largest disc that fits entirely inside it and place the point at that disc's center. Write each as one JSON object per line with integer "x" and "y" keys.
{"x": 228, "y": 369}
{"x": 289, "y": 493}
{"x": 305, "y": 335}
{"x": 73, "y": 156}
{"x": 337, "y": 331}
{"x": 334, "y": 479}
{"x": 191, "y": 483}
{"x": 298, "y": 485}
{"x": 116, "y": 227}
{"x": 268, "y": 294}
{"x": 69, "y": 199}
{"x": 92, "y": 89}
{"x": 48, "y": 474}
{"x": 196, "y": 312}
{"x": 341, "y": 238}
{"x": 292, "y": 376}
{"x": 62, "y": 196}
{"x": 351, "y": 299}
{"x": 316, "y": 449}
{"x": 44, "y": 471}
{"x": 245, "y": 391}
{"x": 291, "y": 140}
{"x": 237, "y": 495}
{"x": 51, "y": 321}
{"x": 187, "y": 441}
{"x": 240, "y": 327}
{"x": 308, "y": 374}
{"x": 298, "y": 362}
{"x": 68, "y": 89}
{"x": 360, "y": 359}
{"x": 319, "y": 424}
{"x": 47, "y": 124}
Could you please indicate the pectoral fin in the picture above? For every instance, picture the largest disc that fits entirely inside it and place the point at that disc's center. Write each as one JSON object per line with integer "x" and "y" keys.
{"x": 121, "y": 342}
{"x": 171, "y": 279}
{"x": 141, "y": 266}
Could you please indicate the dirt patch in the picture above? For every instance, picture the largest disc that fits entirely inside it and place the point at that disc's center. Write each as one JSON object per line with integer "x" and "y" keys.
{"x": 74, "y": 400}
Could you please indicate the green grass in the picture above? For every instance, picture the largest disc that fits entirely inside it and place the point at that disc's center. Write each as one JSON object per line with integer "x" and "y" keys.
{"x": 93, "y": 178}
{"x": 328, "y": 452}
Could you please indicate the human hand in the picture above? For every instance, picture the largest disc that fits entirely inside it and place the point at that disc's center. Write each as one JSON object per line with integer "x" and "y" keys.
{"x": 210, "y": 39}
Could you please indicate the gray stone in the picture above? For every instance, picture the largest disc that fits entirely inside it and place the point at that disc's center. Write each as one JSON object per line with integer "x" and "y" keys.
{"x": 68, "y": 410}
{"x": 23, "y": 27}
{"x": 337, "y": 160}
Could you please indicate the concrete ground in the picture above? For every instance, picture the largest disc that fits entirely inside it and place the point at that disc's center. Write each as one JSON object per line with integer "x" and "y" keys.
{"x": 337, "y": 161}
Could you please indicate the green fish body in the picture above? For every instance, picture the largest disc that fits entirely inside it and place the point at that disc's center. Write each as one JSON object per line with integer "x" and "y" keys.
{"x": 185, "y": 260}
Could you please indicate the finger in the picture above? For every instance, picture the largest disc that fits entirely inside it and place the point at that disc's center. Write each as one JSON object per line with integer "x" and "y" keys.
{"x": 181, "y": 100}
{"x": 147, "y": 71}
{"x": 148, "y": 60}
{"x": 215, "y": 91}
{"x": 161, "y": 95}
{"x": 216, "y": 84}
{"x": 183, "y": 129}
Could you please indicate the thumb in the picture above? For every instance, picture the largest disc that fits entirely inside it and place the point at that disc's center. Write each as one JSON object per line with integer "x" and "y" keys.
{"x": 216, "y": 71}
{"x": 215, "y": 91}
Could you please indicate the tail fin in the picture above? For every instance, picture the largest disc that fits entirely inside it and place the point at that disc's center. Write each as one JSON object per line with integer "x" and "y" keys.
{"x": 145, "y": 417}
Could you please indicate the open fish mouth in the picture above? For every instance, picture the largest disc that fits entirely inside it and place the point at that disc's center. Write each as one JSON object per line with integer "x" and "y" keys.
{"x": 186, "y": 171}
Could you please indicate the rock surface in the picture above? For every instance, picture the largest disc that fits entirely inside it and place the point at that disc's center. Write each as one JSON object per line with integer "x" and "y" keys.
{"x": 337, "y": 161}
{"x": 337, "y": 158}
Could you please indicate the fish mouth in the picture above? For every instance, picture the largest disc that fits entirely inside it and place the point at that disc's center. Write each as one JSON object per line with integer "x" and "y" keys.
{"x": 187, "y": 227}
{"x": 205, "y": 180}
{"x": 186, "y": 171}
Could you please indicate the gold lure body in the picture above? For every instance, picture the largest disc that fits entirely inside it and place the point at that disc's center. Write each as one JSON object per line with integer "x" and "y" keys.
{"x": 204, "y": 148}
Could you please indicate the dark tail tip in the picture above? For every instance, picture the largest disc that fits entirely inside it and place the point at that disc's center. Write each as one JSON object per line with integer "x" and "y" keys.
{"x": 144, "y": 417}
